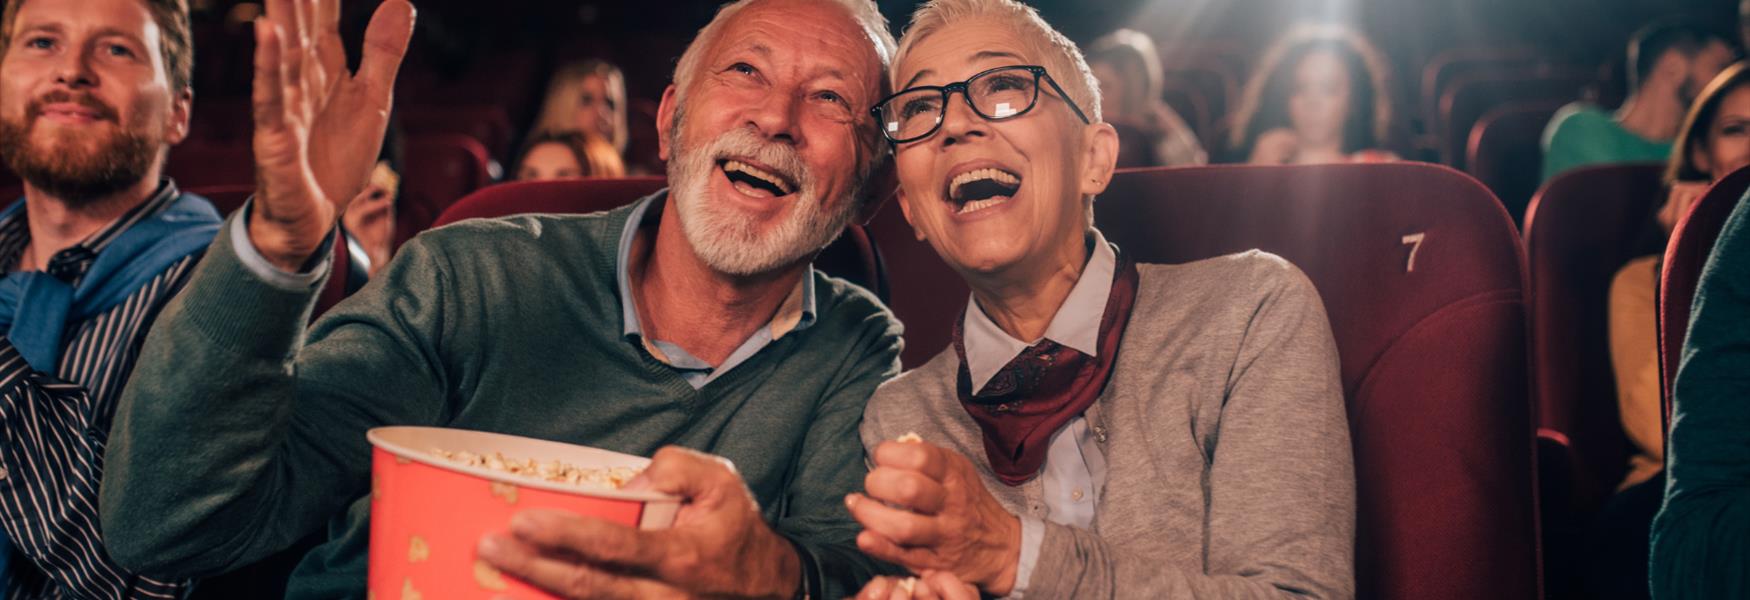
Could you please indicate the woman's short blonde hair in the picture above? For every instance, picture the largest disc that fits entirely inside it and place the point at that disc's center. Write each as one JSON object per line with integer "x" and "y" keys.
{"x": 1059, "y": 55}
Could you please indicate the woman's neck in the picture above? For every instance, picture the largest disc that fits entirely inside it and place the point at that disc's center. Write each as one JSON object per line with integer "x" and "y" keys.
{"x": 1023, "y": 300}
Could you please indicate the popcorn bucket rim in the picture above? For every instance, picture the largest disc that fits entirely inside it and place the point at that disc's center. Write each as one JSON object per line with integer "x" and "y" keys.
{"x": 380, "y": 437}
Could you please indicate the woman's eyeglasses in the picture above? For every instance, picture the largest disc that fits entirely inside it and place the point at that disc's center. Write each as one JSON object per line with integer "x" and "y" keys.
{"x": 997, "y": 94}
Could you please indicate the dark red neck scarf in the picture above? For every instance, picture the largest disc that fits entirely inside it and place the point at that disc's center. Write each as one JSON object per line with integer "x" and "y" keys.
{"x": 1041, "y": 390}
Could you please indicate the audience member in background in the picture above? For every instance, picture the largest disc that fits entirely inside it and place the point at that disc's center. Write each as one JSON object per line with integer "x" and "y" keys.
{"x": 1227, "y": 472}
{"x": 588, "y": 96}
{"x": 1701, "y": 538}
{"x": 1130, "y": 77}
{"x": 92, "y": 96}
{"x": 369, "y": 221}
{"x": 568, "y": 155}
{"x": 690, "y": 321}
{"x": 1668, "y": 64}
{"x": 1318, "y": 96}
{"x": 1714, "y": 141}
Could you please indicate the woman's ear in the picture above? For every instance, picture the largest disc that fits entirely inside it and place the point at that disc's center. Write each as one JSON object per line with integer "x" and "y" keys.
{"x": 1698, "y": 156}
{"x": 1099, "y": 157}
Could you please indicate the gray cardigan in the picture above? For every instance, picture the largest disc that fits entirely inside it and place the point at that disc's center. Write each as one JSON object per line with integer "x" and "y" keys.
{"x": 1230, "y": 471}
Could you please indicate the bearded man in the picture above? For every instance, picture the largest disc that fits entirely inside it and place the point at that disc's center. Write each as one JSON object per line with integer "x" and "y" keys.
{"x": 688, "y": 322}
{"x": 93, "y": 93}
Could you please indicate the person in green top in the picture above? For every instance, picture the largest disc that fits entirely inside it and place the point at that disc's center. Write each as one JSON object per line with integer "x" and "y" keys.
{"x": 685, "y": 324}
{"x": 1701, "y": 538}
{"x": 1669, "y": 64}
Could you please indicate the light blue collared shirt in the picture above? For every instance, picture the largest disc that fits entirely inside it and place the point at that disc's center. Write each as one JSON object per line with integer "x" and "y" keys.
{"x": 1075, "y": 468}
{"x": 795, "y": 314}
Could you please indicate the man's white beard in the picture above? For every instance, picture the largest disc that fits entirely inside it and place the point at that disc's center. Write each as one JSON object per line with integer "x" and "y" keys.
{"x": 730, "y": 241}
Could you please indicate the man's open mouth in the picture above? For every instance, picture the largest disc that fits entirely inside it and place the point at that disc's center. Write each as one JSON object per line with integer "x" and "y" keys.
{"x": 979, "y": 189}
{"x": 754, "y": 180}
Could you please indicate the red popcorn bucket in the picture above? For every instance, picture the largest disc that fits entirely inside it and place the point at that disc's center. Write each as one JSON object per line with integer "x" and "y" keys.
{"x": 429, "y": 512}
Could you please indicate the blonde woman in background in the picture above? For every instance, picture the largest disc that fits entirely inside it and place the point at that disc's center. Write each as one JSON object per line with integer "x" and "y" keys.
{"x": 589, "y": 96}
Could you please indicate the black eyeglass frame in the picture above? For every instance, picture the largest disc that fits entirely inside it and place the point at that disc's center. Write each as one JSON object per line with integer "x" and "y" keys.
{"x": 1038, "y": 72}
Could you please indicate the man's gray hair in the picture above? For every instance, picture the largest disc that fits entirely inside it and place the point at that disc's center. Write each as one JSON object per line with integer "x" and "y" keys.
{"x": 1059, "y": 55}
{"x": 867, "y": 15}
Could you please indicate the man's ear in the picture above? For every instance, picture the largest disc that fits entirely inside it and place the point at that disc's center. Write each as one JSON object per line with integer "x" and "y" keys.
{"x": 181, "y": 111}
{"x": 665, "y": 121}
{"x": 1099, "y": 156}
{"x": 881, "y": 186}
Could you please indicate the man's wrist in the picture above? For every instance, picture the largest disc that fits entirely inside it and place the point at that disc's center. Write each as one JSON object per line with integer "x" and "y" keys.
{"x": 1007, "y": 559}
{"x": 794, "y": 572}
{"x": 282, "y": 248}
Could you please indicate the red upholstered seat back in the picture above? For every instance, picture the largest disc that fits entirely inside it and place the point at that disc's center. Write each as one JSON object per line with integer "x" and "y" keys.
{"x": 1580, "y": 230}
{"x": 1472, "y": 95}
{"x": 1691, "y": 243}
{"x": 438, "y": 170}
{"x": 852, "y": 256}
{"x": 923, "y": 292}
{"x": 1422, "y": 275}
{"x": 1505, "y": 153}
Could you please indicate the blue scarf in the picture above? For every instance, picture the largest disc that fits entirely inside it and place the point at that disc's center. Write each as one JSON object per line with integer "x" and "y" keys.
{"x": 36, "y": 307}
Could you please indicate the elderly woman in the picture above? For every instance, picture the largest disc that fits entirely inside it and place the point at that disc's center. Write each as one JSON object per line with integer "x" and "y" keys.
{"x": 1099, "y": 429}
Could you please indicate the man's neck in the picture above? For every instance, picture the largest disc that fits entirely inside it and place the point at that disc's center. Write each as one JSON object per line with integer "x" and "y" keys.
{"x": 56, "y": 225}
{"x": 1652, "y": 114}
{"x": 683, "y": 301}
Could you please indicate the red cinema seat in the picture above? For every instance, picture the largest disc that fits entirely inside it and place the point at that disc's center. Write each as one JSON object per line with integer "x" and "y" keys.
{"x": 923, "y": 291}
{"x": 1421, "y": 273}
{"x": 226, "y": 198}
{"x": 851, "y": 257}
{"x": 1691, "y": 243}
{"x": 487, "y": 124}
{"x": 1451, "y": 64}
{"x": 197, "y": 164}
{"x": 1583, "y": 227}
{"x": 1470, "y": 97}
{"x": 1505, "y": 151}
{"x": 439, "y": 169}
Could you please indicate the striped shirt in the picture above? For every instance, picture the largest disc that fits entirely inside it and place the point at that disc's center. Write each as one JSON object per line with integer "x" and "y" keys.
{"x": 53, "y": 429}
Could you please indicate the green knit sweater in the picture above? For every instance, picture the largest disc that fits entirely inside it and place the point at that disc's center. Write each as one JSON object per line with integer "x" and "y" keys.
{"x": 237, "y": 436}
{"x": 1701, "y": 539}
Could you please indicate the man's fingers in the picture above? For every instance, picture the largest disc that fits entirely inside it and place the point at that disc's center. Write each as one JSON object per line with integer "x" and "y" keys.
{"x": 330, "y": 51}
{"x": 877, "y": 589}
{"x": 902, "y": 526}
{"x": 291, "y": 80}
{"x": 881, "y": 548}
{"x": 560, "y": 577}
{"x": 923, "y": 457}
{"x": 949, "y": 587}
{"x": 385, "y": 45}
{"x": 689, "y": 474}
{"x": 592, "y": 540}
{"x": 269, "y": 96}
{"x": 907, "y": 488}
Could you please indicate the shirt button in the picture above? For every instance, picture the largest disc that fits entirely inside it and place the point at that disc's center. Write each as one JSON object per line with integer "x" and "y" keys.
{"x": 1076, "y": 495}
{"x": 2, "y": 473}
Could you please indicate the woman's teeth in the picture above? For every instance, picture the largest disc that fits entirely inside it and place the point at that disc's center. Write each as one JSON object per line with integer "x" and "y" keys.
{"x": 978, "y": 205}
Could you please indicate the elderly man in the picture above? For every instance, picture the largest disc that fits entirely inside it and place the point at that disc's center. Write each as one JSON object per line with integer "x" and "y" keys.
{"x": 691, "y": 319}
{"x": 93, "y": 93}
